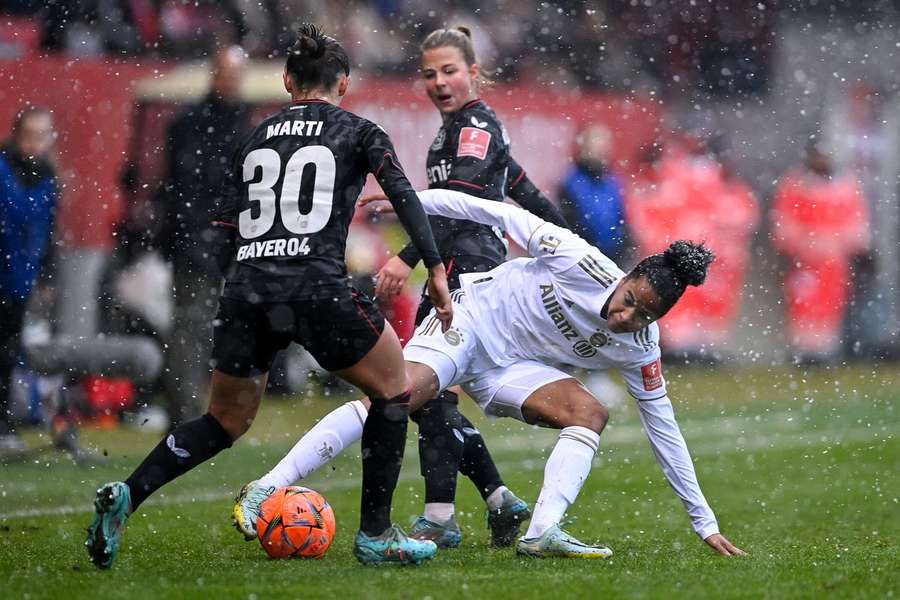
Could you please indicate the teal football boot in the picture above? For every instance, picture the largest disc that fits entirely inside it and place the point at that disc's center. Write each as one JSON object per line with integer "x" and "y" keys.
{"x": 392, "y": 546}
{"x": 112, "y": 507}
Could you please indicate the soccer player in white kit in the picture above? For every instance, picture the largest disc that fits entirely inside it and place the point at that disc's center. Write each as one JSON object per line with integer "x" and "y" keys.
{"x": 567, "y": 305}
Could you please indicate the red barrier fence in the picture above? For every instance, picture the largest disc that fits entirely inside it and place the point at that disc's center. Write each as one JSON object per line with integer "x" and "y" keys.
{"x": 93, "y": 102}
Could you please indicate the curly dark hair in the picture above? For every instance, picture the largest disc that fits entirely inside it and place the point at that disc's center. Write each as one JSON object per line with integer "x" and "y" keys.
{"x": 316, "y": 60}
{"x": 682, "y": 264}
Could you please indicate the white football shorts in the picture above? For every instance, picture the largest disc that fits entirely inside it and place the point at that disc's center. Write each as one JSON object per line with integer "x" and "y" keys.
{"x": 457, "y": 358}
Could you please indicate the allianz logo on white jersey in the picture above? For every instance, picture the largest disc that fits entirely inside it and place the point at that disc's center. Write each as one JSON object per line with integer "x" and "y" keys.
{"x": 581, "y": 347}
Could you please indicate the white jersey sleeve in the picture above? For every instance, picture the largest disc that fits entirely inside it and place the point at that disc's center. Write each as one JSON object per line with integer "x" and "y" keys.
{"x": 658, "y": 418}
{"x": 557, "y": 246}
{"x": 643, "y": 374}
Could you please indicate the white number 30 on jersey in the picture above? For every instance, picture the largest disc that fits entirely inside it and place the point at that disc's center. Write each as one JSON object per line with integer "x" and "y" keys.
{"x": 261, "y": 191}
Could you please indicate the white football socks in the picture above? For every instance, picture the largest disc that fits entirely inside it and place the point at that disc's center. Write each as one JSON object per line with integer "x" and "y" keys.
{"x": 338, "y": 429}
{"x": 566, "y": 470}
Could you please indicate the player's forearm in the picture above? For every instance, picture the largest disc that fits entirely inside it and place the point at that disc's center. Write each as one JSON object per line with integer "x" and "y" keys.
{"x": 412, "y": 216}
{"x": 674, "y": 459}
{"x": 410, "y": 255}
{"x": 519, "y": 224}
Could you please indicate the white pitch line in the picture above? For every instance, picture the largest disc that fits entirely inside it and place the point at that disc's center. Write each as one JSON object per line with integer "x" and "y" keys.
{"x": 747, "y": 441}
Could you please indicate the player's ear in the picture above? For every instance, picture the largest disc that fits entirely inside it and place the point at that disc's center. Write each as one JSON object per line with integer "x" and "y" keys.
{"x": 343, "y": 85}
{"x": 288, "y": 83}
{"x": 474, "y": 72}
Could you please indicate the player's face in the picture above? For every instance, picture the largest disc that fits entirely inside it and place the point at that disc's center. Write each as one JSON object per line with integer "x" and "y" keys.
{"x": 449, "y": 81}
{"x": 633, "y": 306}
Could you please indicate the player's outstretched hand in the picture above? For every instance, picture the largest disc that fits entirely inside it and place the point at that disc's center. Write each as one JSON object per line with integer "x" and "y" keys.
{"x": 377, "y": 203}
{"x": 391, "y": 278}
{"x": 440, "y": 295}
{"x": 721, "y": 545}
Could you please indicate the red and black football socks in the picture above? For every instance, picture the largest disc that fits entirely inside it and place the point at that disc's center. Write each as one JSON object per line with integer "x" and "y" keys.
{"x": 383, "y": 441}
{"x": 440, "y": 446}
{"x": 189, "y": 445}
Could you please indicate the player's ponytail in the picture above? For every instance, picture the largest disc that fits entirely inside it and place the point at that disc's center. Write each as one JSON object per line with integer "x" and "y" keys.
{"x": 460, "y": 38}
{"x": 682, "y": 264}
{"x": 316, "y": 60}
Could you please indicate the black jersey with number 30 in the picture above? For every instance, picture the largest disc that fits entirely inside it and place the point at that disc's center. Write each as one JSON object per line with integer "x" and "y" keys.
{"x": 291, "y": 196}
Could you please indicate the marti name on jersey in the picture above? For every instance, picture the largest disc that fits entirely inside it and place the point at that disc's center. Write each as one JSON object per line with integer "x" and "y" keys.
{"x": 438, "y": 173}
{"x": 294, "y": 128}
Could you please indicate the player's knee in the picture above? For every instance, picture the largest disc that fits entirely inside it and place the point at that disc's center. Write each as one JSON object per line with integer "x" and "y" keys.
{"x": 235, "y": 419}
{"x": 391, "y": 388}
{"x": 235, "y": 425}
{"x": 598, "y": 416}
{"x": 592, "y": 415}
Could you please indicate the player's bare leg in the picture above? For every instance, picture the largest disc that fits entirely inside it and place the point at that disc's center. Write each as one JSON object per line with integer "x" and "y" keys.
{"x": 569, "y": 406}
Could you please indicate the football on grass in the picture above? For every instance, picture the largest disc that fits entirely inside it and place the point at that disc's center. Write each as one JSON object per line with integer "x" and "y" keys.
{"x": 295, "y": 522}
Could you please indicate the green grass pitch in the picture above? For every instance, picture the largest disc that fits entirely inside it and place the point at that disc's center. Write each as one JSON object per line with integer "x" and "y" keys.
{"x": 801, "y": 467}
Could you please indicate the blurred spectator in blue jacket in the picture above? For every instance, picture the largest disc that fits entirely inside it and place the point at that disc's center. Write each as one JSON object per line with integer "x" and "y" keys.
{"x": 590, "y": 196}
{"x": 28, "y": 196}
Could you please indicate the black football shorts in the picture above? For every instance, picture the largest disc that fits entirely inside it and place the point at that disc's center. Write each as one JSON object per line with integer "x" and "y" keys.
{"x": 338, "y": 331}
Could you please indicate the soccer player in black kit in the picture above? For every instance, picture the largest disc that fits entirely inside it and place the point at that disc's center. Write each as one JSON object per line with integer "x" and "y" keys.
{"x": 284, "y": 212}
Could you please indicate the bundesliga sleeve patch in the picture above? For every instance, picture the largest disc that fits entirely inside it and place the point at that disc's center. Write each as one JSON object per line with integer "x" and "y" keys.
{"x": 652, "y": 375}
{"x": 474, "y": 142}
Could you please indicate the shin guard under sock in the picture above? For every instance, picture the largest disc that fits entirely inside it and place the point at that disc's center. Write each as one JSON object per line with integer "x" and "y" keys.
{"x": 477, "y": 463}
{"x": 440, "y": 446}
{"x": 383, "y": 441}
{"x": 566, "y": 470}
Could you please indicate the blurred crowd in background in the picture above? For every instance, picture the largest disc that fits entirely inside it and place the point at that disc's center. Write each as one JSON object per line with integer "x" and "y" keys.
{"x": 127, "y": 320}
{"x": 720, "y": 47}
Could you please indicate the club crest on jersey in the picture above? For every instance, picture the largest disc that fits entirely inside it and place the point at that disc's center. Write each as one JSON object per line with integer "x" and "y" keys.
{"x": 453, "y": 337}
{"x": 652, "y": 374}
{"x": 599, "y": 339}
{"x": 439, "y": 140}
{"x": 473, "y": 142}
{"x": 583, "y": 349}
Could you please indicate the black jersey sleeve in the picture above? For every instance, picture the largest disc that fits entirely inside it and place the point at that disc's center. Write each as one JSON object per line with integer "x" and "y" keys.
{"x": 410, "y": 255}
{"x": 527, "y": 195}
{"x": 479, "y": 151}
{"x": 383, "y": 163}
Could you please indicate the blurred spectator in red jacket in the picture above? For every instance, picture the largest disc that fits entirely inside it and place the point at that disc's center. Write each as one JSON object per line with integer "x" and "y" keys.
{"x": 688, "y": 194}
{"x": 820, "y": 221}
